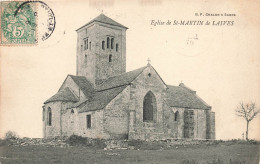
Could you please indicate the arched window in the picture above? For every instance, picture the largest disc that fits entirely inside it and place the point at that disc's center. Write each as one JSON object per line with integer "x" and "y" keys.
{"x": 116, "y": 47}
{"x": 108, "y": 40}
{"x": 149, "y": 107}
{"x": 49, "y": 116}
{"x": 72, "y": 111}
{"x": 103, "y": 45}
{"x": 112, "y": 43}
{"x": 110, "y": 58}
{"x": 176, "y": 115}
{"x": 43, "y": 114}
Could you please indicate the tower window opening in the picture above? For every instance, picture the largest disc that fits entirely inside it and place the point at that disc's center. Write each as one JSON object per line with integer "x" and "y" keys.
{"x": 112, "y": 43}
{"x": 110, "y": 58}
{"x": 81, "y": 48}
{"x": 103, "y": 44}
{"x": 87, "y": 43}
{"x": 108, "y": 40}
{"x": 116, "y": 47}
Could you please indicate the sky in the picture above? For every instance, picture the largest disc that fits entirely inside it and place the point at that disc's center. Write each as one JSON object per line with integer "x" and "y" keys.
{"x": 221, "y": 63}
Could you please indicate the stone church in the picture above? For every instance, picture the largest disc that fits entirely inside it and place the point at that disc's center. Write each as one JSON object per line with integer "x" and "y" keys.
{"x": 104, "y": 101}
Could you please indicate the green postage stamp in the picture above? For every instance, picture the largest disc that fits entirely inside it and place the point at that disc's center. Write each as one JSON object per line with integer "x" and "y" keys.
{"x": 18, "y": 23}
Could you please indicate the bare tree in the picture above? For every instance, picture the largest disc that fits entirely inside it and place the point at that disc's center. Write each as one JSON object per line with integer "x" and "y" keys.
{"x": 248, "y": 111}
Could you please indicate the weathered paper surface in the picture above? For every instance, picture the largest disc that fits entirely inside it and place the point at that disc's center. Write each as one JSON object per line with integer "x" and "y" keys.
{"x": 220, "y": 60}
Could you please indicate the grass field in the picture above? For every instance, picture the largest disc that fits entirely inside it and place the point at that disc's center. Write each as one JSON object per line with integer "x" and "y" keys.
{"x": 234, "y": 153}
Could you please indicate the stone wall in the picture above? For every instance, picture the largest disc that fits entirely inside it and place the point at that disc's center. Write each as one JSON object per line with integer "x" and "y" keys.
{"x": 191, "y": 123}
{"x": 54, "y": 129}
{"x": 139, "y": 88}
{"x": 104, "y": 68}
{"x": 172, "y": 128}
{"x": 86, "y": 57}
{"x": 116, "y": 116}
{"x": 97, "y": 124}
{"x": 212, "y": 125}
{"x": 94, "y": 62}
{"x": 57, "y": 109}
{"x": 199, "y": 124}
{"x": 70, "y": 122}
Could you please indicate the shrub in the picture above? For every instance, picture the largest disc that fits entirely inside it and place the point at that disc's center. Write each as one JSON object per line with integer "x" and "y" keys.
{"x": 254, "y": 142}
{"x": 99, "y": 143}
{"x": 75, "y": 140}
{"x": 11, "y": 135}
{"x": 137, "y": 144}
{"x": 147, "y": 145}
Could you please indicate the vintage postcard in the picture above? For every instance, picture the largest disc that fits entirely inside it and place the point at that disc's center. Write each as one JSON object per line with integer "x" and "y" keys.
{"x": 120, "y": 81}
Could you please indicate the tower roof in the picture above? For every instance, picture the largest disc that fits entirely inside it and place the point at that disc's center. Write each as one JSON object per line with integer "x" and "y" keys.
{"x": 104, "y": 19}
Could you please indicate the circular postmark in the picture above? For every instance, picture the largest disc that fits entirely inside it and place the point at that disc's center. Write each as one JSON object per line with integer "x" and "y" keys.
{"x": 46, "y": 19}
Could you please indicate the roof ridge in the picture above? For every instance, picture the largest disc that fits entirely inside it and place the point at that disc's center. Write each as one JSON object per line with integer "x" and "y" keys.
{"x": 202, "y": 100}
{"x": 76, "y": 76}
{"x": 128, "y": 72}
{"x": 58, "y": 96}
{"x": 102, "y": 18}
{"x": 124, "y": 74}
{"x": 111, "y": 88}
{"x": 158, "y": 75}
{"x": 178, "y": 96}
{"x": 104, "y": 105}
{"x": 172, "y": 85}
{"x": 187, "y": 88}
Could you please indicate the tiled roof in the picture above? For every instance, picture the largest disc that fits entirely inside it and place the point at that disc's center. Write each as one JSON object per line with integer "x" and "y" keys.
{"x": 120, "y": 80}
{"x": 101, "y": 99}
{"x": 63, "y": 95}
{"x": 185, "y": 87}
{"x": 85, "y": 86}
{"x": 78, "y": 104}
{"x": 104, "y": 19}
{"x": 178, "y": 96}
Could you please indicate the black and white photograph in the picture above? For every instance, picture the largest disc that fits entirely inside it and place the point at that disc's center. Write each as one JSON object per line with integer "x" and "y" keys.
{"x": 120, "y": 81}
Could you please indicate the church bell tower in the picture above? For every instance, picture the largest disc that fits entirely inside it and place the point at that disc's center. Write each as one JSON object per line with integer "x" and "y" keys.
{"x": 101, "y": 49}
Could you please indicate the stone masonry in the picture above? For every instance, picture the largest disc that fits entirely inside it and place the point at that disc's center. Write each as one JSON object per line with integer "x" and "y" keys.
{"x": 105, "y": 101}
